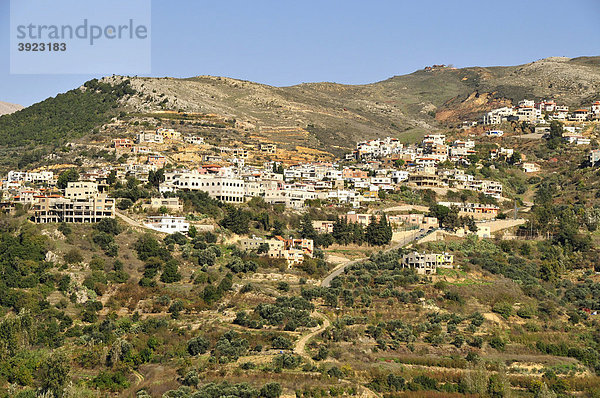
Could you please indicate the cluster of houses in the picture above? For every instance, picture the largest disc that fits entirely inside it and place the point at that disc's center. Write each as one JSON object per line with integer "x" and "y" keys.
{"x": 539, "y": 112}
{"x": 421, "y": 164}
{"x": 382, "y": 165}
{"x": 148, "y": 144}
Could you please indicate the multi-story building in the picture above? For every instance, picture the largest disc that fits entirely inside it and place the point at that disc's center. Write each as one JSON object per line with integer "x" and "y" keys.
{"x": 497, "y": 116}
{"x": 225, "y": 189}
{"x": 240, "y": 153}
{"x": 291, "y": 250}
{"x": 149, "y": 137}
{"x": 59, "y": 209}
{"x": 363, "y": 219}
{"x": 122, "y": 143}
{"x": 81, "y": 190}
{"x": 35, "y": 177}
{"x": 580, "y": 115}
{"x": 323, "y": 226}
{"x": 294, "y": 198}
{"x": 427, "y": 263}
{"x": 268, "y": 148}
{"x": 173, "y": 204}
{"x": 529, "y": 167}
{"x": 476, "y": 210}
{"x": 169, "y": 134}
{"x": 157, "y": 160}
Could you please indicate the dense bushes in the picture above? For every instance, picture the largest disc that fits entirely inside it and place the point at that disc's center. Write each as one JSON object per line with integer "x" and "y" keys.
{"x": 197, "y": 345}
{"x": 225, "y": 389}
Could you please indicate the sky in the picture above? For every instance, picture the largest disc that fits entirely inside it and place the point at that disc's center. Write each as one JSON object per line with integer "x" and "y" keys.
{"x": 283, "y": 43}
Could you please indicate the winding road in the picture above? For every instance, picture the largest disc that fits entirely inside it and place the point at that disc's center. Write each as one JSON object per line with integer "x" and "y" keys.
{"x": 300, "y": 348}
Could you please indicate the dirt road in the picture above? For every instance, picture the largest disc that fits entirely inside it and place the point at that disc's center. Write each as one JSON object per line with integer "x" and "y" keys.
{"x": 300, "y": 348}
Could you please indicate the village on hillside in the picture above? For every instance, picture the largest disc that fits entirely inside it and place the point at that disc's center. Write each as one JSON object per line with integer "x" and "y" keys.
{"x": 364, "y": 180}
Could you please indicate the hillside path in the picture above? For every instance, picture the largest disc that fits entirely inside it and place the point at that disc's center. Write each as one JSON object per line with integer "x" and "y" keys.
{"x": 300, "y": 348}
{"x": 340, "y": 268}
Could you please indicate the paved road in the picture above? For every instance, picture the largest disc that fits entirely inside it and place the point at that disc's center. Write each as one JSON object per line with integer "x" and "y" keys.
{"x": 339, "y": 269}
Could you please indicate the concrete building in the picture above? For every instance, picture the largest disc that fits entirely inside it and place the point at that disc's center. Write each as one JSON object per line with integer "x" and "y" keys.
{"x": 529, "y": 167}
{"x": 81, "y": 190}
{"x": 149, "y": 138}
{"x": 268, "y": 148}
{"x": 427, "y": 263}
{"x": 225, "y": 189}
{"x": 196, "y": 140}
{"x": 122, "y": 143}
{"x": 59, "y": 209}
{"x": 157, "y": 160}
{"x": 172, "y": 204}
{"x": 291, "y": 250}
{"x": 168, "y": 224}
{"x": 169, "y": 134}
{"x": 323, "y": 226}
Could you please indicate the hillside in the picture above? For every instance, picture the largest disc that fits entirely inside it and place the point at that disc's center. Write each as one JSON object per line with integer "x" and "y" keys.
{"x": 327, "y": 116}
{"x": 7, "y": 108}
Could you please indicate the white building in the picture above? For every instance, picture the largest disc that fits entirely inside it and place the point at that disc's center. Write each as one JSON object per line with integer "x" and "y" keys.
{"x": 225, "y": 189}
{"x": 168, "y": 224}
{"x": 530, "y": 167}
{"x": 39, "y": 177}
{"x": 149, "y": 137}
{"x": 497, "y": 116}
{"x": 194, "y": 139}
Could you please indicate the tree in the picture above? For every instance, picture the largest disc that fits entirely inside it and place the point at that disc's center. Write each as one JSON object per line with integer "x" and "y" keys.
{"x": 440, "y": 212}
{"x": 379, "y": 233}
{"x": 470, "y": 223}
{"x": 66, "y": 177}
{"x": 109, "y": 226}
{"x": 156, "y": 177}
{"x": 124, "y": 204}
{"x": 554, "y": 138}
{"x": 197, "y": 345}
{"x": 236, "y": 220}
{"x": 307, "y": 230}
{"x": 271, "y": 390}
{"x": 55, "y": 374}
{"x": 278, "y": 227}
{"x": 112, "y": 177}
{"x": 206, "y": 257}
{"x": 170, "y": 272}
{"x": 263, "y": 248}
{"x": 147, "y": 246}
{"x": 73, "y": 256}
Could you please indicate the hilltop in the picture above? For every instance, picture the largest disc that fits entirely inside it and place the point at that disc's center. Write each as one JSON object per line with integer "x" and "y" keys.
{"x": 325, "y": 116}
{"x": 7, "y": 108}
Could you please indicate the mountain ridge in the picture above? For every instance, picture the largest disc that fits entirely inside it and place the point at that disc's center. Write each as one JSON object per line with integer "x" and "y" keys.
{"x": 333, "y": 116}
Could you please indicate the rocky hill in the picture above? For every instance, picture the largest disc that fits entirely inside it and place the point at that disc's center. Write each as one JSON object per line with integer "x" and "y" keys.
{"x": 7, "y": 108}
{"x": 330, "y": 116}
{"x": 336, "y": 115}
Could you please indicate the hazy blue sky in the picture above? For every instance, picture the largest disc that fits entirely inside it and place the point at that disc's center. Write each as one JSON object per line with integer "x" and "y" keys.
{"x": 288, "y": 42}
